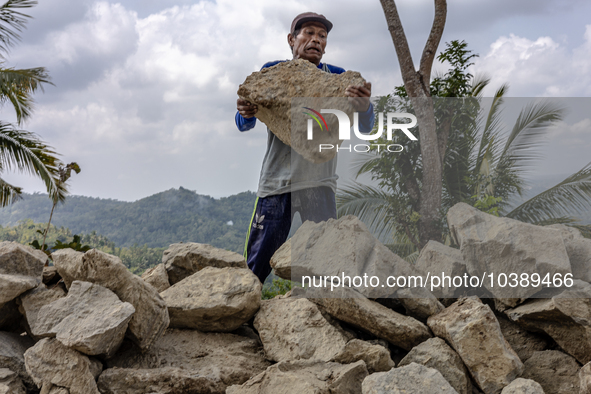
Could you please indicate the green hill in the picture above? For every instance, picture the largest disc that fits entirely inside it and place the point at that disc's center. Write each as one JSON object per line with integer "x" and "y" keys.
{"x": 175, "y": 215}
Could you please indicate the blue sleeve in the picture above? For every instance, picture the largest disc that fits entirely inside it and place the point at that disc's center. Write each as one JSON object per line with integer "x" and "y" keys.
{"x": 244, "y": 124}
{"x": 366, "y": 120}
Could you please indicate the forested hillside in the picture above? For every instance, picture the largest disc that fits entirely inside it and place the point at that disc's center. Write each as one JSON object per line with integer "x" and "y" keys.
{"x": 175, "y": 215}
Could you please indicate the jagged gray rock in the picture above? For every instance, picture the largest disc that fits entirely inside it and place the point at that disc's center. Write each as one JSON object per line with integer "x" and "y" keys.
{"x": 33, "y": 300}
{"x": 555, "y": 371}
{"x": 305, "y": 377}
{"x": 214, "y": 299}
{"x": 90, "y": 319}
{"x": 578, "y": 249}
{"x": 351, "y": 307}
{"x": 419, "y": 303}
{"x": 435, "y": 353}
{"x": 51, "y": 362}
{"x": 157, "y": 277}
{"x": 413, "y": 378}
{"x": 184, "y": 259}
{"x": 585, "y": 379}
{"x": 496, "y": 245}
{"x": 523, "y": 386}
{"x": 12, "y": 350}
{"x": 21, "y": 269}
{"x": 522, "y": 341}
{"x": 565, "y": 317}
{"x": 151, "y": 316}
{"x": 10, "y": 383}
{"x": 218, "y": 358}
{"x": 272, "y": 90}
{"x": 166, "y": 380}
{"x": 472, "y": 329}
{"x": 294, "y": 329}
{"x": 376, "y": 357}
{"x": 437, "y": 259}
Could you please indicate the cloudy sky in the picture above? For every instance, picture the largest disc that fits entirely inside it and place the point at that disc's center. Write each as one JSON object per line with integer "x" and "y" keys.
{"x": 145, "y": 90}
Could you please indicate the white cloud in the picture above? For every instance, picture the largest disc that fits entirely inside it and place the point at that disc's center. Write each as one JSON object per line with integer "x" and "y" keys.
{"x": 541, "y": 67}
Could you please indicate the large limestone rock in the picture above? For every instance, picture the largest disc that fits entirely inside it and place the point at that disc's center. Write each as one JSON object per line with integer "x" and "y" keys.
{"x": 491, "y": 244}
{"x": 21, "y": 269}
{"x": 578, "y": 249}
{"x": 157, "y": 277}
{"x": 12, "y": 350}
{"x": 281, "y": 261}
{"x": 343, "y": 248}
{"x": 214, "y": 299}
{"x": 585, "y": 379}
{"x": 565, "y": 317}
{"x": 184, "y": 259}
{"x": 305, "y": 377}
{"x": 191, "y": 357}
{"x": 413, "y": 378}
{"x": 555, "y": 371}
{"x": 294, "y": 329}
{"x": 523, "y": 386}
{"x": 272, "y": 90}
{"x": 376, "y": 357}
{"x": 435, "y": 353}
{"x": 472, "y": 329}
{"x": 33, "y": 300}
{"x": 419, "y": 302}
{"x": 151, "y": 316}
{"x": 441, "y": 261}
{"x": 522, "y": 341}
{"x": 10, "y": 383}
{"x": 165, "y": 380}
{"x": 351, "y": 307}
{"x": 90, "y": 319}
{"x": 50, "y": 362}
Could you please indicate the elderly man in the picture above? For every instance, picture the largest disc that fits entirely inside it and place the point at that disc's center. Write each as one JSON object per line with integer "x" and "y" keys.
{"x": 278, "y": 198}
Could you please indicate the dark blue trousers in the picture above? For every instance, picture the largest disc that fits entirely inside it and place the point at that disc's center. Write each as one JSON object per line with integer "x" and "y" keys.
{"x": 271, "y": 221}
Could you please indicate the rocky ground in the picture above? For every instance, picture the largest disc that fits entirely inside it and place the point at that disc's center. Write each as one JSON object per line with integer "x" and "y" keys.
{"x": 197, "y": 324}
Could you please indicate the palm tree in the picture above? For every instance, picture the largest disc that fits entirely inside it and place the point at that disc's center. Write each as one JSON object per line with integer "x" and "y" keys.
{"x": 484, "y": 164}
{"x": 22, "y": 150}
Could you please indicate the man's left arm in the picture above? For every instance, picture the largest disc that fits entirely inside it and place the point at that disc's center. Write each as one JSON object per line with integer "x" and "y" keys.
{"x": 360, "y": 96}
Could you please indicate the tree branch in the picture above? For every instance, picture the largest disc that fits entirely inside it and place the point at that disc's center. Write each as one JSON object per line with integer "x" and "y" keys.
{"x": 410, "y": 77}
{"x": 433, "y": 42}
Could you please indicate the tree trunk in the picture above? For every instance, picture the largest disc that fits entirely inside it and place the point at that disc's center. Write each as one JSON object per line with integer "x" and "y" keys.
{"x": 417, "y": 86}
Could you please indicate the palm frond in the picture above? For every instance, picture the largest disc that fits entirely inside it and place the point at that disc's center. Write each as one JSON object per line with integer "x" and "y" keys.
{"x": 491, "y": 131}
{"x": 12, "y": 22}
{"x": 522, "y": 143}
{"x": 17, "y": 86}
{"x": 369, "y": 204}
{"x": 23, "y": 151}
{"x": 8, "y": 193}
{"x": 568, "y": 198}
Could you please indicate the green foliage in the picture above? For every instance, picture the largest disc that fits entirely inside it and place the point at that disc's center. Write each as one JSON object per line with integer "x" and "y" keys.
{"x": 157, "y": 221}
{"x": 488, "y": 204}
{"x": 278, "y": 287}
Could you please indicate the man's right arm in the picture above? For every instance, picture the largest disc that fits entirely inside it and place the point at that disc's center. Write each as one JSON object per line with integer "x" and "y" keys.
{"x": 248, "y": 121}
{"x": 245, "y": 123}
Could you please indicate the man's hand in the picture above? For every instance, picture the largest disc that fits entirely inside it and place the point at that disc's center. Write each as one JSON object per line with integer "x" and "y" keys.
{"x": 359, "y": 96}
{"x": 246, "y": 109}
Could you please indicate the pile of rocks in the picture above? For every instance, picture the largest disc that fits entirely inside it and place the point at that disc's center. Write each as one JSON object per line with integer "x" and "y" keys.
{"x": 196, "y": 322}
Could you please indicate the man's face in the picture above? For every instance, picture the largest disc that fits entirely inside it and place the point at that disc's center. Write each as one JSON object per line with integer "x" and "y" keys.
{"x": 309, "y": 43}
